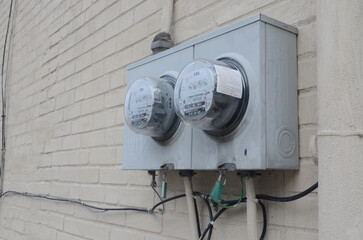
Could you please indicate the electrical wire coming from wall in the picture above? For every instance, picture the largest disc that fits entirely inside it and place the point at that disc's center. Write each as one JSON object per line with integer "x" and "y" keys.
{"x": 3, "y": 99}
{"x": 260, "y": 197}
{"x": 75, "y": 201}
{"x": 152, "y": 210}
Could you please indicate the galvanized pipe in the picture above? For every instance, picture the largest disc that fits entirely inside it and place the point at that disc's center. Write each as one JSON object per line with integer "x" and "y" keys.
{"x": 251, "y": 209}
{"x": 191, "y": 208}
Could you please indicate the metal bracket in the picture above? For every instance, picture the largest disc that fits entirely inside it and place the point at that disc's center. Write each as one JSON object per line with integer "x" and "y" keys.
{"x": 230, "y": 167}
{"x": 153, "y": 181}
{"x": 162, "y": 41}
{"x": 167, "y": 167}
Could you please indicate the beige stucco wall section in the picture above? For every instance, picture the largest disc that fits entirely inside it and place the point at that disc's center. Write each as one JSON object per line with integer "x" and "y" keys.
{"x": 65, "y": 121}
{"x": 340, "y": 94}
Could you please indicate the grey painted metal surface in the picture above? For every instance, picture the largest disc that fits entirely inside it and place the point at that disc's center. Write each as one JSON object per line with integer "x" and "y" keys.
{"x": 143, "y": 152}
{"x": 240, "y": 24}
{"x": 267, "y": 137}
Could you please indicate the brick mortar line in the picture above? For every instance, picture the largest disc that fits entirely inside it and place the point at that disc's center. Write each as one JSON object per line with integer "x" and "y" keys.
{"x": 284, "y": 227}
{"x": 308, "y": 126}
{"x": 75, "y": 102}
{"x": 306, "y": 91}
{"x": 307, "y": 56}
{"x": 96, "y": 30}
{"x": 106, "y": 39}
{"x": 259, "y": 9}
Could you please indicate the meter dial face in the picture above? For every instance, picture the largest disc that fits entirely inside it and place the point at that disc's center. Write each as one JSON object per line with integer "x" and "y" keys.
{"x": 140, "y": 102}
{"x": 209, "y": 95}
{"x": 149, "y": 108}
{"x": 196, "y": 94}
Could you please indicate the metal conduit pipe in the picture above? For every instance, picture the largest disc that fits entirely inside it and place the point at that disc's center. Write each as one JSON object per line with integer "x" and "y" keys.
{"x": 162, "y": 41}
{"x": 191, "y": 209}
{"x": 167, "y": 15}
{"x": 251, "y": 209}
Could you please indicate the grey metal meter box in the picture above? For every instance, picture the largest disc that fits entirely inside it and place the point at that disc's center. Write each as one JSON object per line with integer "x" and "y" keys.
{"x": 235, "y": 96}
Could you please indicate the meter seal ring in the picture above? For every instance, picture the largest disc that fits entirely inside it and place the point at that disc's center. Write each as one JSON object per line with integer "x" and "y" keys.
{"x": 176, "y": 121}
{"x": 231, "y": 125}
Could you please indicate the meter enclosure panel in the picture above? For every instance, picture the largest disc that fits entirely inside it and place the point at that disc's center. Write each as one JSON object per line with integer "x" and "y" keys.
{"x": 267, "y": 137}
{"x": 144, "y": 152}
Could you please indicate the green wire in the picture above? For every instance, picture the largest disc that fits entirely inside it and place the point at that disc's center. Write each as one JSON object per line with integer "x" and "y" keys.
{"x": 239, "y": 201}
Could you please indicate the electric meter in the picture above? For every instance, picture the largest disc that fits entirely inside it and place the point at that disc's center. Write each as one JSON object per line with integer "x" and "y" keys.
{"x": 149, "y": 107}
{"x": 212, "y": 95}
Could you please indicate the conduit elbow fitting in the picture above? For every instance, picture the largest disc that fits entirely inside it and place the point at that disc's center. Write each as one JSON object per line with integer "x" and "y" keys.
{"x": 162, "y": 41}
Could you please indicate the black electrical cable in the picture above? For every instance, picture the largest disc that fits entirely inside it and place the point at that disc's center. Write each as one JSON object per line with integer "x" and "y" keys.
{"x": 279, "y": 199}
{"x": 270, "y": 198}
{"x": 231, "y": 203}
{"x": 3, "y": 101}
{"x": 210, "y": 218}
{"x": 210, "y": 224}
{"x": 53, "y": 198}
{"x": 3, "y": 62}
{"x": 165, "y": 201}
{"x": 152, "y": 210}
{"x": 205, "y": 198}
{"x": 287, "y": 199}
{"x": 197, "y": 216}
{"x": 264, "y": 228}
{"x": 157, "y": 193}
{"x": 80, "y": 202}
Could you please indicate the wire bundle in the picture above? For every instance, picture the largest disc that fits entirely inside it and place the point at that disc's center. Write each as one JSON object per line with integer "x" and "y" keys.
{"x": 209, "y": 228}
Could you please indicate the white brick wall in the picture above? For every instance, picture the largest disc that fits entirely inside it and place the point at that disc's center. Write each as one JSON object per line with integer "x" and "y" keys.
{"x": 65, "y": 120}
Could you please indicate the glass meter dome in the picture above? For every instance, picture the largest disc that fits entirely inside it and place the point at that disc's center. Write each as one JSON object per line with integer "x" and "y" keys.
{"x": 149, "y": 108}
{"x": 212, "y": 95}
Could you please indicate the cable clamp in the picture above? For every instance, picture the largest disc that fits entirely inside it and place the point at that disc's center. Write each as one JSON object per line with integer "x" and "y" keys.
{"x": 254, "y": 199}
{"x": 158, "y": 210}
{"x": 211, "y": 223}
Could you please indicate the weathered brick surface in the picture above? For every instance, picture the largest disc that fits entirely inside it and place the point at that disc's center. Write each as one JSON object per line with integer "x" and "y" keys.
{"x": 66, "y": 87}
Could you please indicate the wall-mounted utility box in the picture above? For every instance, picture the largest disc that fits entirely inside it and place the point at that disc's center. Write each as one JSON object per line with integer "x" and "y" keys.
{"x": 267, "y": 135}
